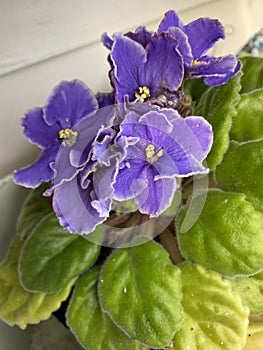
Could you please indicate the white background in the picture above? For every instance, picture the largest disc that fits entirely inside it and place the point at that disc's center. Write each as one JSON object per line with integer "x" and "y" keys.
{"x": 45, "y": 41}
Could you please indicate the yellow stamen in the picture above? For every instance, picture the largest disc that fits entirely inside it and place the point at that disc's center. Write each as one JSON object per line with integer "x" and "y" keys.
{"x": 68, "y": 136}
{"x": 152, "y": 155}
{"x": 149, "y": 150}
{"x": 159, "y": 153}
{"x": 143, "y": 93}
{"x": 195, "y": 62}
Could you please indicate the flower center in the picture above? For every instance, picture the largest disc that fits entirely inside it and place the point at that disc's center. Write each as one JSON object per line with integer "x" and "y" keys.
{"x": 142, "y": 93}
{"x": 152, "y": 155}
{"x": 68, "y": 136}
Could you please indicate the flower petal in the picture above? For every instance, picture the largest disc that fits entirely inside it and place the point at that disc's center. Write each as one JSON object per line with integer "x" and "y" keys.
{"x": 216, "y": 81}
{"x": 40, "y": 171}
{"x": 170, "y": 19}
{"x": 71, "y": 159}
{"x": 88, "y": 129}
{"x": 107, "y": 41}
{"x": 80, "y": 209}
{"x": 70, "y": 101}
{"x": 209, "y": 66}
{"x": 157, "y": 196}
{"x": 141, "y": 36}
{"x": 105, "y": 99}
{"x": 184, "y": 47}
{"x": 72, "y": 206}
{"x": 164, "y": 65}
{"x": 128, "y": 57}
{"x": 202, "y": 34}
{"x": 202, "y": 137}
{"x": 37, "y": 131}
{"x": 130, "y": 180}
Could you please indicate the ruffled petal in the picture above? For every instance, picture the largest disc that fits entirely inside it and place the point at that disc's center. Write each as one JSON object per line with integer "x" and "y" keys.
{"x": 164, "y": 65}
{"x": 128, "y": 58}
{"x": 40, "y": 171}
{"x": 107, "y": 41}
{"x": 81, "y": 208}
{"x": 194, "y": 135}
{"x": 105, "y": 99}
{"x": 170, "y": 19}
{"x": 130, "y": 180}
{"x": 37, "y": 131}
{"x": 184, "y": 47}
{"x": 157, "y": 196}
{"x": 141, "y": 36}
{"x": 216, "y": 81}
{"x": 72, "y": 206}
{"x": 202, "y": 34}
{"x": 214, "y": 67}
{"x": 71, "y": 159}
{"x": 70, "y": 101}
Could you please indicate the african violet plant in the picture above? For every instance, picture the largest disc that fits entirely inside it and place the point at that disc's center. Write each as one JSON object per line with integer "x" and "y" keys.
{"x": 151, "y": 221}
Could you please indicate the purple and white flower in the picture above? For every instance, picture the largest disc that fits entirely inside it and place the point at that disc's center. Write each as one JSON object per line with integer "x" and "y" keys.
{"x": 85, "y": 200}
{"x": 162, "y": 146}
{"x": 53, "y": 127}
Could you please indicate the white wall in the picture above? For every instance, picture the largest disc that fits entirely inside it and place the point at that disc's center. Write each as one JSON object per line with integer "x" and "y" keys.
{"x": 35, "y": 30}
{"x": 43, "y": 42}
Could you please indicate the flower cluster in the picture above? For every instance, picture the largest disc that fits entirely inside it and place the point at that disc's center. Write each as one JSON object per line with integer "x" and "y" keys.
{"x": 136, "y": 141}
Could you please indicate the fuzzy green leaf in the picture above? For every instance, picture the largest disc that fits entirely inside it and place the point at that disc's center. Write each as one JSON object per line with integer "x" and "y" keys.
{"x": 52, "y": 257}
{"x": 140, "y": 290}
{"x": 242, "y": 171}
{"x": 17, "y": 306}
{"x": 251, "y": 291}
{"x": 214, "y": 317}
{"x": 248, "y": 123}
{"x": 217, "y": 105}
{"x": 252, "y": 78}
{"x": 195, "y": 88}
{"x": 227, "y": 237}
{"x": 92, "y": 327}
{"x": 35, "y": 208}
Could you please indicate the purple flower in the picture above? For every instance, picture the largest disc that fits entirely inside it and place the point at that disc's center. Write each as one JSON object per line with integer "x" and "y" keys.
{"x": 53, "y": 127}
{"x": 162, "y": 146}
{"x": 195, "y": 39}
{"x": 139, "y": 72}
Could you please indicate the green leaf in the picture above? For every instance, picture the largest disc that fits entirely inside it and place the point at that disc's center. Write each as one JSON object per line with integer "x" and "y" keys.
{"x": 217, "y": 105}
{"x": 214, "y": 316}
{"x": 252, "y": 78}
{"x": 251, "y": 291}
{"x": 127, "y": 206}
{"x": 248, "y": 123}
{"x": 17, "y": 306}
{"x": 140, "y": 290}
{"x": 52, "y": 257}
{"x": 195, "y": 88}
{"x": 227, "y": 237}
{"x": 175, "y": 204}
{"x": 92, "y": 327}
{"x": 242, "y": 171}
{"x": 35, "y": 208}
